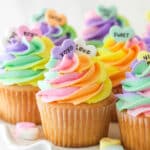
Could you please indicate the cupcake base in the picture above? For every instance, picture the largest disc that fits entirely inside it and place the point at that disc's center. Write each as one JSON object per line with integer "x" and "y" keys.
{"x": 18, "y": 104}
{"x": 135, "y": 131}
{"x": 68, "y": 125}
{"x": 116, "y": 90}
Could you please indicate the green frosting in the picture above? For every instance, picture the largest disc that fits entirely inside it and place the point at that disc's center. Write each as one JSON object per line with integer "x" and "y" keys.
{"x": 134, "y": 86}
{"x": 28, "y": 66}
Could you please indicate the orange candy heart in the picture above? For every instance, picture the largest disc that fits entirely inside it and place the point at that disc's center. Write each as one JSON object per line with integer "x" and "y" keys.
{"x": 54, "y": 18}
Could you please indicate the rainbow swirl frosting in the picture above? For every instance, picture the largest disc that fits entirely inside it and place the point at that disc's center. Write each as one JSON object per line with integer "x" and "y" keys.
{"x": 75, "y": 80}
{"x": 97, "y": 27}
{"x": 55, "y": 26}
{"x": 59, "y": 33}
{"x": 23, "y": 63}
{"x": 136, "y": 96}
{"x": 117, "y": 58}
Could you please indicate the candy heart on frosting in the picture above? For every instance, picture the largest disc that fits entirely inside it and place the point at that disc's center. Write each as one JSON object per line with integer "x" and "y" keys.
{"x": 147, "y": 15}
{"x": 87, "y": 49}
{"x": 67, "y": 48}
{"x": 144, "y": 55}
{"x": 28, "y": 33}
{"x": 106, "y": 12}
{"x": 39, "y": 16}
{"x": 121, "y": 34}
{"x": 54, "y": 18}
{"x": 9, "y": 36}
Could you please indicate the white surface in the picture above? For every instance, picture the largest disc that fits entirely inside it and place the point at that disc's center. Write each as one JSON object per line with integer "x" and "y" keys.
{"x": 9, "y": 142}
{"x": 15, "y": 12}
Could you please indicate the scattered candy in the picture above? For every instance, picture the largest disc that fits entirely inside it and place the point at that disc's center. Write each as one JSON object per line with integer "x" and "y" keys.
{"x": 67, "y": 48}
{"x": 110, "y": 144}
{"x": 27, "y": 131}
{"x": 87, "y": 49}
{"x": 54, "y": 18}
{"x": 121, "y": 34}
{"x": 107, "y": 12}
{"x": 28, "y": 33}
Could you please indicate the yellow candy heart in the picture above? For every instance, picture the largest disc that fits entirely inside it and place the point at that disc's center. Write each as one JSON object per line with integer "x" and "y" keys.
{"x": 147, "y": 15}
{"x": 144, "y": 55}
{"x": 105, "y": 142}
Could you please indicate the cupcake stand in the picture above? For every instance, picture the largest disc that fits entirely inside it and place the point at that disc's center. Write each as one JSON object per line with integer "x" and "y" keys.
{"x": 9, "y": 142}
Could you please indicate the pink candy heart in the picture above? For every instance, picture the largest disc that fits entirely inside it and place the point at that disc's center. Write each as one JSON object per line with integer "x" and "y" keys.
{"x": 28, "y": 33}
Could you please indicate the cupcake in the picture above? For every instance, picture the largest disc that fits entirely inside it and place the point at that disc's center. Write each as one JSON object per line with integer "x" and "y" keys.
{"x": 21, "y": 66}
{"x": 117, "y": 55}
{"x": 55, "y": 26}
{"x": 133, "y": 107}
{"x": 75, "y": 100}
{"x": 99, "y": 22}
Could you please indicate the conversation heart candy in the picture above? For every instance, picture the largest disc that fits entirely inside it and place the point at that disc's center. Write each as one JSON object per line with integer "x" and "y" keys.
{"x": 110, "y": 144}
{"x": 87, "y": 49}
{"x": 144, "y": 55}
{"x": 28, "y": 33}
{"x": 39, "y": 16}
{"x": 27, "y": 131}
{"x": 67, "y": 48}
{"x": 9, "y": 36}
{"x": 121, "y": 34}
{"x": 147, "y": 15}
{"x": 106, "y": 12}
{"x": 54, "y": 18}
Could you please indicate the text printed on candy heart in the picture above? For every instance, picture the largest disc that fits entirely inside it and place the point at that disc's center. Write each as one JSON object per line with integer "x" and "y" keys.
{"x": 125, "y": 35}
{"x": 81, "y": 49}
{"x": 66, "y": 51}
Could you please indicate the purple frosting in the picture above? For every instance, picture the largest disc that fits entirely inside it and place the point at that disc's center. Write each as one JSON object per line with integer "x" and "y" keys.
{"x": 16, "y": 46}
{"x": 54, "y": 33}
{"x": 97, "y": 28}
{"x": 147, "y": 42}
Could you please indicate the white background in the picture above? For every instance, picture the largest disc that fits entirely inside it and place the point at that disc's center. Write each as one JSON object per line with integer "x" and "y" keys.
{"x": 15, "y": 12}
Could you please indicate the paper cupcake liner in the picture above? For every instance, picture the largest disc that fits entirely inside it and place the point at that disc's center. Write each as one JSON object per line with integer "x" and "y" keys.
{"x": 18, "y": 104}
{"x": 68, "y": 125}
{"x": 116, "y": 90}
{"x": 135, "y": 131}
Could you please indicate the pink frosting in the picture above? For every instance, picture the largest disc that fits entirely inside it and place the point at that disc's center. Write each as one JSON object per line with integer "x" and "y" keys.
{"x": 139, "y": 110}
{"x": 145, "y": 93}
{"x": 90, "y": 15}
{"x": 51, "y": 95}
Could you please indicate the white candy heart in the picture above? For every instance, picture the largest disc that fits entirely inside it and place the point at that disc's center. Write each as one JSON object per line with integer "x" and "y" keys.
{"x": 81, "y": 46}
{"x": 9, "y": 34}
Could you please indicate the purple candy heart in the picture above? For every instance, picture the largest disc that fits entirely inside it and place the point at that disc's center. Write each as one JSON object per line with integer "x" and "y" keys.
{"x": 67, "y": 48}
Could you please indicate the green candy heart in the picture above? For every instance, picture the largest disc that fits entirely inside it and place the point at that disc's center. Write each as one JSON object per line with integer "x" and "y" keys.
{"x": 40, "y": 16}
{"x": 106, "y": 12}
{"x": 121, "y": 34}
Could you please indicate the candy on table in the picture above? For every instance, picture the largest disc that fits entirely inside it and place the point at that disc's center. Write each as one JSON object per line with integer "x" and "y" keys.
{"x": 27, "y": 131}
{"x": 110, "y": 144}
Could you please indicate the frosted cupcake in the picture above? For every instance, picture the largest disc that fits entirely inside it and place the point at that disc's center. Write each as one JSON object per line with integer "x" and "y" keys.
{"x": 133, "y": 107}
{"x": 117, "y": 54}
{"x": 22, "y": 65}
{"x": 98, "y": 23}
{"x": 55, "y": 26}
{"x": 75, "y": 100}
